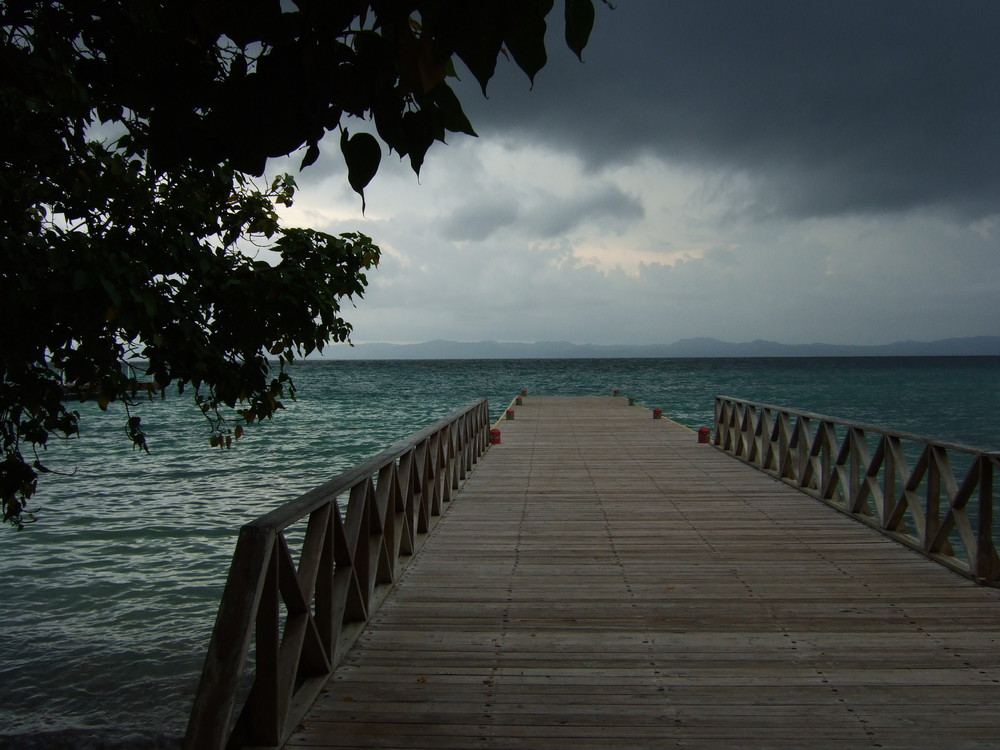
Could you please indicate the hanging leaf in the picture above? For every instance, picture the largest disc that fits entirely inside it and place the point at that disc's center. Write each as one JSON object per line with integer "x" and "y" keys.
{"x": 579, "y": 24}
{"x": 419, "y": 130}
{"x": 362, "y": 154}
{"x": 312, "y": 154}
{"x": 478, "y": 32}
{"x": 525, "y": 37}
{"x": 388, "y": 115}
{"x": 452, "y": 115}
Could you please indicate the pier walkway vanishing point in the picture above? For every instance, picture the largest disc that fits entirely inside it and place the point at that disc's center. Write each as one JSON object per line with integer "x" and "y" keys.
{"x": 602, "y": 580}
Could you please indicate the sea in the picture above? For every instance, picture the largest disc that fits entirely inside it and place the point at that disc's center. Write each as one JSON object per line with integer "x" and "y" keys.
{"x": 110, "y": 596}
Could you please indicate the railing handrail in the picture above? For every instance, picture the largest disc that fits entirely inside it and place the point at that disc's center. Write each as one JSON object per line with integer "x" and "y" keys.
{"x": 925, "y": 507}
{"x": 295, "y": 510}
{"x": 901, "y": 434}
{"x": 302, "y": 617}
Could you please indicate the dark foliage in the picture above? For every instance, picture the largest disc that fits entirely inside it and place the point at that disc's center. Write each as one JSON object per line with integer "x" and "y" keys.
{"x": 136, "y": 136}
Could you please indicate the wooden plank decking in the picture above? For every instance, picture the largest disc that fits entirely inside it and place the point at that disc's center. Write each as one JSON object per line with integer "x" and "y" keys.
{"x": 604, "y": 581}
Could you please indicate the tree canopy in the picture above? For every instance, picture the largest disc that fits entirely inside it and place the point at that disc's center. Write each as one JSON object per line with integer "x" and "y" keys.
{"x": 137, "y": 136}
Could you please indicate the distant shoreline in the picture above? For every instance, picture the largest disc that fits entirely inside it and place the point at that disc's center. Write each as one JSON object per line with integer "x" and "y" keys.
{"x": 700, "y": 348}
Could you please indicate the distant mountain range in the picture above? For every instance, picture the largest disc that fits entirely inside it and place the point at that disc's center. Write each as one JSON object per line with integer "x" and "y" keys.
{"x": 695, "y": 347}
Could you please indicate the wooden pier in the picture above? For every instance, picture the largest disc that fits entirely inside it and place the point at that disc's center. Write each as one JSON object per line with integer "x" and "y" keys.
{"x": 602, "y": 580}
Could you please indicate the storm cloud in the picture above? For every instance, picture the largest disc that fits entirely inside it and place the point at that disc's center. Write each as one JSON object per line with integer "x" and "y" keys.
{"x": 832, "y": 107}
{"x": 783, "y": 170}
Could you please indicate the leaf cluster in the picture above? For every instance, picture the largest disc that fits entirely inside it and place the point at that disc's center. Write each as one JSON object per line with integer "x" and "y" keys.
{"x": 135, "y": 208}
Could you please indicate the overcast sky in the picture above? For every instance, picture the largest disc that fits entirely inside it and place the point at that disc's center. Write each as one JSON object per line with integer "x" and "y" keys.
{"x": 787, "y": 170}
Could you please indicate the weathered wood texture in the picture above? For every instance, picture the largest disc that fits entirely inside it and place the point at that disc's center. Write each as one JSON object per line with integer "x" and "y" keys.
{"x": 304, "y": 580}
{"x": 933, "y": 496}
{"x": 604, "y": 581}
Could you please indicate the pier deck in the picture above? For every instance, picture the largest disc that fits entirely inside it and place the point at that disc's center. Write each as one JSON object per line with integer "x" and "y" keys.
{"x": 603, "y": 580}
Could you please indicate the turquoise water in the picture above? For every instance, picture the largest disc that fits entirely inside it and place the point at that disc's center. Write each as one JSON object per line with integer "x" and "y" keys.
{"x": 111, "y": 596}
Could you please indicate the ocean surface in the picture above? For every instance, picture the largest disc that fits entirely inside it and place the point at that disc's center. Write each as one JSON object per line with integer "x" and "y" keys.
{"x": 109, "y": 599}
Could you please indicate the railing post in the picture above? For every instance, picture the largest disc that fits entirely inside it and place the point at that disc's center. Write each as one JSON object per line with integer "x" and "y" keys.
{"x": 932, "y": 513}
{"x": 860, "y": 467}
{"x": 326, "y": 596}
{"x": 214, "y": 702}
{"x": 385, "y": 510}
{"x": 420, "y": 488}
{"x": 404, "y": 478}
{"x": 264, "y": 712}
{"x": 986, "y": 554}
{"x": 890, "y": 497}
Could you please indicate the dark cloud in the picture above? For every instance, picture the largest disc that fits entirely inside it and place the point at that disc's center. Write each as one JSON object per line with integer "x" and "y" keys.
{"x": 544, "y": 215}
{"x": 830, "y": 108}
{"x": 607, "y": 207}
{"x": 729, "y": 168}
{"x": 480, "y": 220}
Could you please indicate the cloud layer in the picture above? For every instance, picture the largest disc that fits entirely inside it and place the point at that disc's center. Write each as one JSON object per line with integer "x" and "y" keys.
{"x": 791, "y": 171}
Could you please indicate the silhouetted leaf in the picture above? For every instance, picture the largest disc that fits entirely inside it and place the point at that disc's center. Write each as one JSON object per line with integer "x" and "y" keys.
{"x": 579, "y": 24}
{"x": 452, "y": 116}
{"x": 363, "y": 155}
{"x": 479, "y": 38}
{"x": 419, "y": 130}
{"x": 388, "y": 114}
{"x": 525, "y": 37}
{"x": 312, "y": 154}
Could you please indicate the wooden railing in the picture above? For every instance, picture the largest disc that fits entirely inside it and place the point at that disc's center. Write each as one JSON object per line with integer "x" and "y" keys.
{"x": 295, "y": 621}
{"x": 902, "y": 484}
